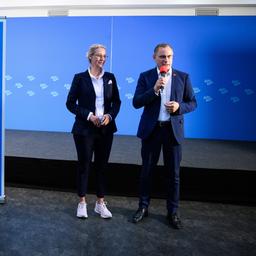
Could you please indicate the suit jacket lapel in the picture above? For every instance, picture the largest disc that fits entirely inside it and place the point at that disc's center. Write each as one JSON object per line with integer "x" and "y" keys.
{"x": 174, "y": 85}
{"x": 88, "y": 83}
{"x": 108, "y": 86}
{"x": 105, "y": 83}
{"x": 155, "y": 76}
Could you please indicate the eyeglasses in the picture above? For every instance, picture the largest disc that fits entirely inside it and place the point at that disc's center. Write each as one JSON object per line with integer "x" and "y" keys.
{"x": 100, "y": 56}
{"x": 165, "y": 56}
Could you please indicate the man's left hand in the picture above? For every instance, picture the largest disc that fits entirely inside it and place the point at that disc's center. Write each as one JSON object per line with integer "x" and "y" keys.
{"x": 172, "y": 106}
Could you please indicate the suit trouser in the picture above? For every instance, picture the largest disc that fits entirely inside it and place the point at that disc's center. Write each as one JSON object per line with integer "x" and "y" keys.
{"x": 161, "y": 138}
{"x": 86, "y": 145}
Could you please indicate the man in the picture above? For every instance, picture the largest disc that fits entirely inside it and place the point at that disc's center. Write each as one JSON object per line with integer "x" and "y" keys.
{"x": 165, "y": 96}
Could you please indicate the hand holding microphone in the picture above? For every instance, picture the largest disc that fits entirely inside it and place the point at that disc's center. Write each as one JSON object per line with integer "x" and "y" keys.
{"x": 163, "y": 72}
{"x": 162, "y": 79}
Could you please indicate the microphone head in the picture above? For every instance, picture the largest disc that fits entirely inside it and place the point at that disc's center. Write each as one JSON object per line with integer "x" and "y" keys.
{"x": 163, "y": 70}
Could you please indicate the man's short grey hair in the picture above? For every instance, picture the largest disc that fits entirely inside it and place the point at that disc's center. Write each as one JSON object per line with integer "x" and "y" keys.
{"x": 162, "y": 45}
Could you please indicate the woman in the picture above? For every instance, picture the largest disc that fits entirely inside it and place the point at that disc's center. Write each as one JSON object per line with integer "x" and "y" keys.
{"x": 94, "y": 99}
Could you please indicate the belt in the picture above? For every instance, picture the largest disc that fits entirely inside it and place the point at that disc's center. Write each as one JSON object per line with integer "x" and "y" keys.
{"x": 163, "y": 123}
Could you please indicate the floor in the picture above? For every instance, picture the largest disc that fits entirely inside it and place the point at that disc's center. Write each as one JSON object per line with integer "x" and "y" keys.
{"x": 42, "y": 222}
{"x": 197, "y": 153}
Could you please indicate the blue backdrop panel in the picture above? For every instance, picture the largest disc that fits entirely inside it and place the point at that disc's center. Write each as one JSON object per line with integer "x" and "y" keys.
{"x": 43, "y": 54}
{"x": 2, "y": 63}
{"x": 219, "y": 53}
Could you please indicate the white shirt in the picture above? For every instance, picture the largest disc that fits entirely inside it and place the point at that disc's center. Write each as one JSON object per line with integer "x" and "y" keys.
{"x": 99, "y": 91}
{"x": 165, "y": 95}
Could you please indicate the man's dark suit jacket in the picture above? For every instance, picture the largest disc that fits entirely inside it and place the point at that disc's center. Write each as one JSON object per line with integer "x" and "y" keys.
{"x": 145, "y": 96}
{"x": 81, "y": 101}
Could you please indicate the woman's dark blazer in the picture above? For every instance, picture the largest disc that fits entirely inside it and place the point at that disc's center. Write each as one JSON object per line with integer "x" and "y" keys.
{"x": 81, "y": 101}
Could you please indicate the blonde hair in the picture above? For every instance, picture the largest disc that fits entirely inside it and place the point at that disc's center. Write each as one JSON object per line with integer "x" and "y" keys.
{"x": 93, "y": 49}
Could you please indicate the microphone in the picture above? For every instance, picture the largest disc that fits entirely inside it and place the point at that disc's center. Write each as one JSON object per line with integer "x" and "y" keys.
{"x": 163, "y": 71}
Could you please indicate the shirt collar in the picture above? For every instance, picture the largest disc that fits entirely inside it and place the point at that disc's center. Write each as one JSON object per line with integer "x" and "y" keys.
{"x": 100, "y": 76}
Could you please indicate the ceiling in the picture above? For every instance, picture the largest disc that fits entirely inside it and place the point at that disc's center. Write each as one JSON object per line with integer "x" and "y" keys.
{"x": 27, "y": 8}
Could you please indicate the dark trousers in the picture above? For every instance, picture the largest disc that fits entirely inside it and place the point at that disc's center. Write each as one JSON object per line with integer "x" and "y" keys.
{"x": 161, "y": 138}
{"x": 86, "y": 145}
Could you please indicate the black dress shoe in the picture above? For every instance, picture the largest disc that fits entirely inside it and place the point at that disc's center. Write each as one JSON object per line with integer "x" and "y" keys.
{"x": 139, "y": 215}
{"x": 174, "y": 221}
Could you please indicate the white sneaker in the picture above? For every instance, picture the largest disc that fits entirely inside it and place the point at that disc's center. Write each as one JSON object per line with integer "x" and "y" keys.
{"x": 82, "y": 210}
{"x": 102, "y": 209}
